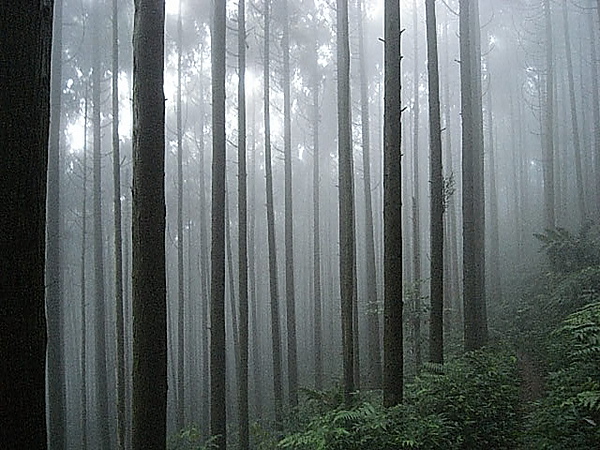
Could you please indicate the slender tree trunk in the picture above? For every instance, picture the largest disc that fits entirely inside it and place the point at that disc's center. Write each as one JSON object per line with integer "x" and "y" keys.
{"x": 26, "y": 30}
{"x": 54, "y": 292}
{"x": 583, "y": 213}
{"x": 273, "y": 284}
{"x": 180, "y": 415}
{"x": 393, "y": 349}
{"x": 374, "y": 349}
{"x": 548, "y": 150}
{"x": 318, "y": 306}
{"x": 218, "y": 366}
{"x": 84, "y": 216}
{"x": 346, "y": 199}
{"x": 289, "y": 223}
{"x": 436, "y": 322}
{"x": 119, "y": 318}
{"x": 101, "y": 382}
{"x": 242, "y": 232}
{"x": 149, "y": 280}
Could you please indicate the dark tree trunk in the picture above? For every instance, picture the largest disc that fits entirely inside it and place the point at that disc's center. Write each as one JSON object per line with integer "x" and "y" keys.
{"x": 242, "y": 233}
{"x": 218, "y": 366}
{"x": 54, "y": 291}
{"x": 26, "y": 29}
{"x": 374, "y": 348}
{"x": 346, "y": 199}
{"x": 289, "y": 224}
{"x": 393, "y": 348}
{"x": 149, "y": 283}
{"x": 101, "y": 374}
{"x": 273, "y": 284}
{"x": 119, "y": 318}
{"x": 436, "y": 322}
{"x": 84, "y": 217}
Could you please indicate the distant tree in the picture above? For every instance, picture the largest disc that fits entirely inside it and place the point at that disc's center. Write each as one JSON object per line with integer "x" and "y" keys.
{"x": 242, "y": 232}
{"x": 273, "y": 284}
{"x": 149, "y": 281}
{"x": 346, "y": 199}
{"x": 26, "y": 29}
{"x": 83, "y": 263}
{"x": 548, "y": 121}
{"x": 436, "y": 183}
{"x": 393, "y": 348}
{"x": 218, "y": 379}
{"x": 54, "y": 292}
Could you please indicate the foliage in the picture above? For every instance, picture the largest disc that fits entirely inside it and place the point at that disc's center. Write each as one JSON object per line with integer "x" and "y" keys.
{"x": 191, "y": 438}
{"x": 568, "y": 252}
{"x": 568, "y": 417}
{"x": 469, "y": 402}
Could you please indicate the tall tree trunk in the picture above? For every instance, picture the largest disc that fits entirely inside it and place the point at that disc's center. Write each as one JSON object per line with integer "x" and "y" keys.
{"x": 393, "y": 349}
{"x": 318, "y": 306}
{"x": 119, "y": 317}
{"x": 149, "y": 281}
{"x": 273, "y": 285}
{"x": 244, "y": 443}
{"x": 289, "y": 223}
{"x": 180, "y": 415}
{"x": 26, "y": 29}
{"x": 84, "y": 217}
{"x": 548, "y": 129}
{"x": 218, "y": 366}
{"x": 346, "y": 199}
{"x": 374, "y": 348}
{"x": 436, "y": 322}
{"x": 416, "y": 199}
{"x": 583, "y": 213}
{"x": 54, "y": 292}
{"x": 475, "y": 332}
{"x": 101, "y": 373}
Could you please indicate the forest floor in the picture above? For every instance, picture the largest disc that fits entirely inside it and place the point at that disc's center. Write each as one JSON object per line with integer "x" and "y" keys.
{"x": 532, "y": 379}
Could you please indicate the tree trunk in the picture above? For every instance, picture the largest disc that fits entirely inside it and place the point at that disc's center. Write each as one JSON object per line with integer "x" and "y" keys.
{"x": 84, "y": 216}
{"x": 119, "y": 318}
{"x": 374, "y": 348}
{"x": 26, "y": 29}
{"x": 149, "y": 282}
{"x": 436, "y": 322}
{"x": 346, "y": 199}
{"x": 583, "y": 213}
{"x": 218, "y": 366}
{"x": 548, "y": 129}
{"x": 101, "y": 373}
{"x": 289, "y": 224}
{"x": 273, "y": 285}
{"x": 595, "y": 108}
{"x": 244, "y": 443}
{"x": 475, "y": 332}
{"x": 393, "y": 349}
{"x": 54, "y": 291}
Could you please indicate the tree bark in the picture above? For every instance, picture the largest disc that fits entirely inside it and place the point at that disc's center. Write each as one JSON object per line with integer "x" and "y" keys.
{"x": 54, "y": 291}
{"x": 436, "y": 321}
{"x": 26, "y": 29}
{"x": 149, "y": 281}
{"x": 548, "y": 129}
{"x": 218, "y": 366}
{"x": 393, "y": 348}
{"x": 273, "y": 284}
